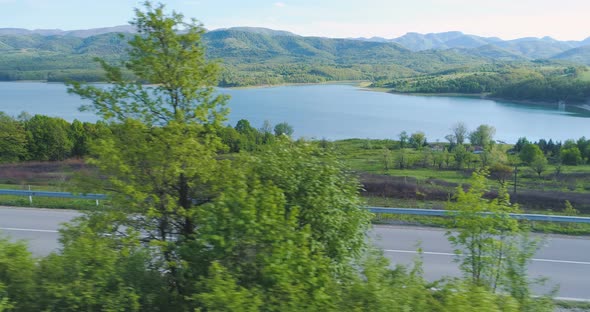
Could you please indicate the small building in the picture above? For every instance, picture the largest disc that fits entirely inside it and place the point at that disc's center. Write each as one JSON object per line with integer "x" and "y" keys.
{"x": 477, "y": 149}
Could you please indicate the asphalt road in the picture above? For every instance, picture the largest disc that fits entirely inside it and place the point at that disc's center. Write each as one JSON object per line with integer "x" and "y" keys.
{"x": 564, "y": 260}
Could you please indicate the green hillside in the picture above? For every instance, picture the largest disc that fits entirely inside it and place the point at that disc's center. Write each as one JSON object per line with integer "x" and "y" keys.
{"x": 259, "y": 56}
{"x": 578, "y": 55}
{"x": 250, "y": 55}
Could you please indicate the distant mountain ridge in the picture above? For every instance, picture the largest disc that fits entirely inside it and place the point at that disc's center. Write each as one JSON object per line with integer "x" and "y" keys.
{"x": 80, "y": 33}
{"x": 56, "y": 54}
{"x": 521, "y": 48}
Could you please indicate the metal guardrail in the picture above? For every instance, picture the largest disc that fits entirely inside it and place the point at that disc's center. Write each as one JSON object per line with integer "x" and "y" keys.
{"x": 378, "y": 210}
{"x": 449, "y": 213}
{"x": 32, "y": 194}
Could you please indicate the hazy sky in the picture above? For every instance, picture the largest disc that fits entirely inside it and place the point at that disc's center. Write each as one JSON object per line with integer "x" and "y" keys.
{"x": 507, "y": 19}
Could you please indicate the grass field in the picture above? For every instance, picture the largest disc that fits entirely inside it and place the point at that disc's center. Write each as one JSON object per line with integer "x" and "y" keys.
{"x": 422, "y": 183}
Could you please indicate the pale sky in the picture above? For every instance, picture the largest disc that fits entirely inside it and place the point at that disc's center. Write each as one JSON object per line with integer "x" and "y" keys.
{"x": 507, "y": 19}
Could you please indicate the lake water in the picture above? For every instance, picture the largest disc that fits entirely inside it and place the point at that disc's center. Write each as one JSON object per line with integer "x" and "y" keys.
{"x": 342, "y": 111}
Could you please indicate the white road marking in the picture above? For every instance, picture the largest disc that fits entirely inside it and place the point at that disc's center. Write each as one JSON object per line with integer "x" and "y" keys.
{"x": 422, "y": 252}
{"x": 452, "y": 254}
{"x": 29, "y": 230}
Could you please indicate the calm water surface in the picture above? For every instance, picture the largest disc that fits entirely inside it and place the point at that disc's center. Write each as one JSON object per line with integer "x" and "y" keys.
{"x": 342, "y": 111}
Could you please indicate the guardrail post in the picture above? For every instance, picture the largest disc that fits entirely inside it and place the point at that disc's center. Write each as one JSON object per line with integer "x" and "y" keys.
{"x": 30, "y": 196}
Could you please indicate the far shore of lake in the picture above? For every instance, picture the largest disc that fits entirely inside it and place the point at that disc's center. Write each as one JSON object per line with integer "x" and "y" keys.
{"x": 366, "y": 86}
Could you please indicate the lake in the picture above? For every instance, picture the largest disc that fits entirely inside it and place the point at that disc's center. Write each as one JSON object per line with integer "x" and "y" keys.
{"x": 339, "y": 111}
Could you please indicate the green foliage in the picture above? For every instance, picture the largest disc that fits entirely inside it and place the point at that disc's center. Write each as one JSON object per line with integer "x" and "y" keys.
{"x": 417, "y": 140}
{"x": 501, "y": 172}
{"x": 403, "y": 139}
{"x": 571, "y": 156}
{"x": 171, "y": 60}
{"x": 381, "y": 289}
{"x": 283, "y": 128}
{"x": 459, "y": 133}
{"x": 5, "y": 304}
{"x": 48, "y": 138}
{"x": 464, "y": 297}
{"x": 482, "y": 236}
{"x": 539, "y": 164}
{"x": 222, "y": 293}
{"x": 461, "y": 156}
{"x": 515, "y": 81}
{"x": 326, "y": 196}
{"x": 278, "y": 227}
{"x": 483, "y": 136}
{"x": 529, "y": 152}
{"x": 251, "y": 231}
{"x": 13, "y": 139}
{"x": 92, "y": 273}
{"x": 17, "y": 283}
{"x": 492, "y": 250}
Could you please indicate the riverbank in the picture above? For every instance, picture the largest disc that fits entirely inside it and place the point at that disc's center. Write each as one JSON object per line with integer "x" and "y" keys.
{"x": 482, "y": 96}
{"x": 355, "y": 83}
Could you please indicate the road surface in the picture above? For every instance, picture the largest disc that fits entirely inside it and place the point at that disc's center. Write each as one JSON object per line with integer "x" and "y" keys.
{"x": 565, "y": 260}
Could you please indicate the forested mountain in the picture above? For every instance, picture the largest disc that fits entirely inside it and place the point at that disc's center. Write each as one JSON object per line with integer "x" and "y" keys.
{"x": 254, "y": 55}
{"x": 442, "y": 41}
{"x": 578, "y": 55}
{"x": 522, "y": 48}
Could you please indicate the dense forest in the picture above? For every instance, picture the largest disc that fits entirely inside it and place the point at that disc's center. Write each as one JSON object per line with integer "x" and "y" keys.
{"x": 540, "y": 82}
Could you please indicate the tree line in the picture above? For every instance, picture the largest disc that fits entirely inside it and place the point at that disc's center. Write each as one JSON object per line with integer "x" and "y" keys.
{"x": 478, "y": 149}
{"x": 45, "y": 138}
{"x": 506, "y": 82}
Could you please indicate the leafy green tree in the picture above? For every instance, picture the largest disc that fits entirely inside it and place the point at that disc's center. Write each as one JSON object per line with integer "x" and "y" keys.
{"x": 326, "y": 195}
{"x": 243, "y": 127}
{"x": 520, "y": 143}
{"x": 459, "y": 132}
{"x": 168, "y": 54}
{"x": 48, "y": 138}
{"x": 13, "y": 139}
{"x": 482, "y": 236}
{"x": 161, "y": 155}
{"x": 93, "y": 273}
{"x": 5, "y": 304}
{"x": 283, "y": 128}
{"x": 571, "y": 156}
{"x": 249, "y": 134}
{"x": 529, "y": 152}
{"x": 492, "y": 250}
{"x": 417, "y": 140}
{"x": 461, "y": 156}
{"x": 80, "y": 137}
{"x": 17, "y": 282}
{"x": 271, "y": 219}
{"x": 403, "y": 139}
{"x": 539, "y": 165}
{"x": 501, "y": 173}
{"x": 482, "y": 136}
{"x": 266, "y": 133}
{"x": 222, "y": 293}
